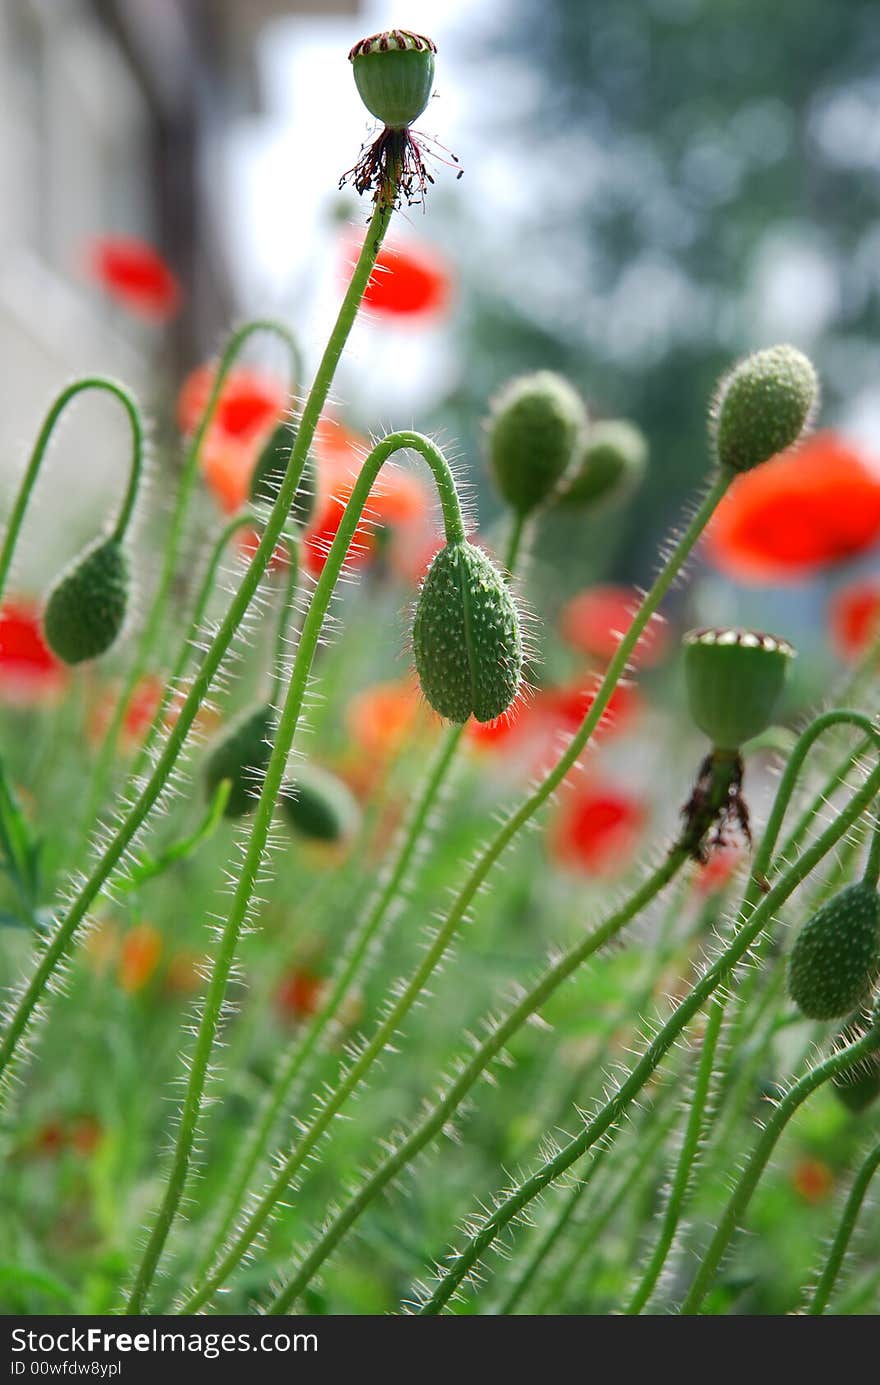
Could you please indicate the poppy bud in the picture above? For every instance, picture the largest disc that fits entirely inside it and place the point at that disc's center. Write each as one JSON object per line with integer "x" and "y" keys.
{"x": 534, "y": 427}
{"x": 394, "y": 74}
{"x": 466, "y": 636}
{"x": 270, "y": 469}
{"x": 611, "y": 463}
{"x": 734, "y": 682}
{"x": 86, "y": 608}
{"x": 836, "y": 956}
{"x": 241, "y": 756}
{"x": 319, "y": 806}
{"x": 859, "y": 1085}
{"x": 763, "y": 406}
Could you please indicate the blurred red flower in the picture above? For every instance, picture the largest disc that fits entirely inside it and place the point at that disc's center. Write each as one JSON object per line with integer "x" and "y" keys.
{"x": 381, "y": 718}
{"x": 139, "y": 957}
{"x": 806, "y": 509}
{"x": 813, "y": 1180}
{"x": 596, "y": 828}
{"x": 250, "y": 402}
{"x": 718, "y": 871}
{"x": 29, "y": 671}
{"x": 136, "y": 275}
{"x": 142, "y": 707}
{"x": 408, "y": 282}
{"x": 533, "y": 729}
{"x": 299, "y": 995}
{"x": 594, "y": 621}
{"x": 227, "y": 466}
{"x": 854, "y": 617}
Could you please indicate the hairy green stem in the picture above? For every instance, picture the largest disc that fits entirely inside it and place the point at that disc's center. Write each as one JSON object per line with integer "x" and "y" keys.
{"x": 843, "y": 1235}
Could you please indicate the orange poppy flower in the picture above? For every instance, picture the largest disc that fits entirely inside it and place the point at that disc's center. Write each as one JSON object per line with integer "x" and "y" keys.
{"x": 409, "y": 282}
{"x": 139, "y": 958}
{"x": 854, "y": 618}
{"x": 812, "y": 1180}
{"x": 300, "y": 993}
{"x": 806, "y": 509}
{"x": 596, "y": 829}
{"x": 595, "y": 620}
{"x": 250, "y": 402}
{"x": 135, "y": 275}
{"x": 29, "y": 671}
{"x": 382, "y": 718}
{"x": 532, "y": 729}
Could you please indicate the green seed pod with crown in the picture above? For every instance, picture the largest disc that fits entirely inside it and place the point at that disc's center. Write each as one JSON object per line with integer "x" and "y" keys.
{"x": 86, "y": 608}
{"x": 319, "y": 806}
{"x": 466, "y": 636}
{"x": 835, "y": 960}
{"x": 536, "y": 422}
{"x": 734, "y": 680}
{"x": 268, "y": 475}
{"x": 394, "y": 74}
{"x": 763, "y": 406}
{"x": 609, "y": 466}
{"x": 241, "y": 755}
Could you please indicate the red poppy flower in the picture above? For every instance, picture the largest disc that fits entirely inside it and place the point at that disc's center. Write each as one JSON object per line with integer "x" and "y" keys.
{"x": 250, "y": 402}
{"x": 596, "y": 829}
{"x": 719, "y": 870}
{"x": 806, "y": 509}
{"x": 381, "y": 718}
{"x": 136, "y": 275}
{"x": 299, "y": 995}
{"x": 854, "y": 617}
{"x": 142, "y": 707}
{"x": 139, "y": 958}
{"x": 595, "y": 620}
{"x": 533, "y": 728}
{"x": 408, "y": 282}
{"x": 813, "y": 1180}
{"x": 29, "y": 671}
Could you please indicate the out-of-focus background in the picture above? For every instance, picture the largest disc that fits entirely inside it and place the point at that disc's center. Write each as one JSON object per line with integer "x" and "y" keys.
{"x": 650, "y": 187}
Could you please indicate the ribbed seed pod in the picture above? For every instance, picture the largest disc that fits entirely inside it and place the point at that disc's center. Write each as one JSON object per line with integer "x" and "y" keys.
{"x": 609, "y": 466}
{"x": 241, "y": 755}
{"x": 319, "y": 806}
{"x": 466, "y": 636}
{"x": 734, "y": 681}
{"x": 763, "y": 406}
{"x": 535, "y": 425}
{"x": 394, "y": 74}
{"x": 836, "y": 956}
{"x": 86, "y": 608}
{"x": 269, "y": 473}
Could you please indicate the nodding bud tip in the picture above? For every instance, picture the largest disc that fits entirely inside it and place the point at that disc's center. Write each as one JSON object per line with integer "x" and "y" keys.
{"x": 86, "y": 608}
{"x": 535, "y": 425}
{"x": 763, "y": 406}
{"x": 394, "y": 73}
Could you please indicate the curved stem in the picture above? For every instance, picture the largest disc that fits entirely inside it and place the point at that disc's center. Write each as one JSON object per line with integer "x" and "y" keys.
{"x": 751, "y": 1174}
{"x": 256, "y": 847}
{"x": 843, "y": 1235}
{"x": 22, "y": 1013}
{"x": 681, "y": 1016}
{"x": 25, "y": 490}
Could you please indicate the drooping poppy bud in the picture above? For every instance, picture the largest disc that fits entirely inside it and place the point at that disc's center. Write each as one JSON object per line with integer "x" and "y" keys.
{"x": 466, "y": 636}
{"x": 269, "y": 471}
{"x": 394, "y": 74}
{"x": 609, "y": 466}
{"x": 319, "y": 806}
{"x": 836, "y": 956}
{"x": 241, "y": 755}
{"x": 858, "y": 1086}
{"x": 535, "y": 424}
{"x": 734, "y": 680}
{"x": 86, "y": 608}
{"x": 763, "y": 406}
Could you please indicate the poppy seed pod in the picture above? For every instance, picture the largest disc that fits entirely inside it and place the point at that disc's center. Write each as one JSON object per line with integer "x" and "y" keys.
{"x": 241, "y": 755}
{"x": 535, "y": 424}
{"x": 319, "y": 806}
{"x": 763, "y": 407}
{"x": 394, "y": 74}
{"x": 734, "y": 682}
{"x": 611, "y": 464}
{"x": 836, "y": 956}
{"x": 466, "y": 636}
{"x": 269, "y": 471}
{"x": 86, "y": 608}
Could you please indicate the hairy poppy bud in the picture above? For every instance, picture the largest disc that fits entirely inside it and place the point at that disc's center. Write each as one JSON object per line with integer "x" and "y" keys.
{"x": 466, "y": 636}
{"x": 535, "y": 424}
{"x": 86, "y": 608}
{"x": 394, "y": 74}
{"x": 269, "y": 471}
{"x": 241, "y": 755}
{"x": 763, "y": 406}
{"x": 611, "y": 464}
{"x": 319, "y": 806}
{"x": 734, "y": 682}
{"x": 859, "y": 1085}
{"x": 836, "y": 956}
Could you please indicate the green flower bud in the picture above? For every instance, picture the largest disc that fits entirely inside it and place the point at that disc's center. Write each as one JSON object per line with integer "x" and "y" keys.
{"x": 319, "y": 806}
{"x": 763, "y": 406}
{"x": 859, "y": 1085}
{"x": 86, "y": 608}
{"x": 466, "y": 636}
{"x": 241, "y": 755}
{"x": 535, "y": 424}
{"x": 611, "y": 465}
{"x": 734, "y": 682}
{"x": 269, "y": 473}
{"x": 394, "y": 73}
{"x": 836, "y": 956}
